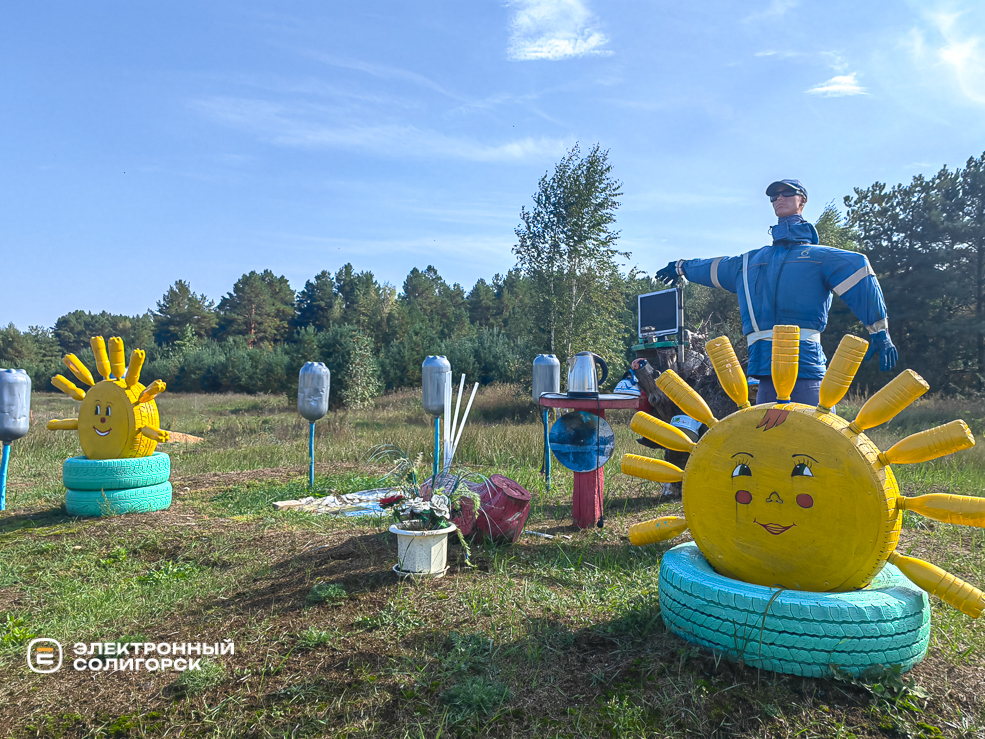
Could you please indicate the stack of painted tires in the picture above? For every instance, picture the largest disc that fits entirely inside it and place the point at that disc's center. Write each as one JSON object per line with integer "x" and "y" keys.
{"x": 108, "y": 487}
{"x": 793, "y": 631}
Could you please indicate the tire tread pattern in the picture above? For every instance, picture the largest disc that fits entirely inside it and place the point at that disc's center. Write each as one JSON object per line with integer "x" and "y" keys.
{"x": 82, "y": 473}
{"x": 802, "y": 633}
{"x": 115, "y": 502}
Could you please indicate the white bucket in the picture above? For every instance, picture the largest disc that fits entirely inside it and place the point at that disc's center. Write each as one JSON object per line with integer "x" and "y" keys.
{"x": 421, "y": 552}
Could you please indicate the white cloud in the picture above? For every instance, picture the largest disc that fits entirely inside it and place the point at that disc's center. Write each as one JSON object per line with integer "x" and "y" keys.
{"x": 775, "y": 9}
{"x": 382, "y": 71}
{"x": 314, "y": 127}
{"x": 554, "y": 29}
{"x": 945, "y": 21}
{"x": 915, "y": 43}
{"x": 780, "y": 54}
{"x": 953, "y": 49}
{"x": 839, "y": 86}
{"x": 967, "y": 61}
{"x": 835, "y": 60}
{"x": 842, "y": 84}
{"x": 960, "y": 54}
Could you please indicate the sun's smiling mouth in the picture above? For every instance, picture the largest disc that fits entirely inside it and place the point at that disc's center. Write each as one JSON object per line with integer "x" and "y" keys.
{"x": 102, "y": 433}
{"x": 774, "y": 528}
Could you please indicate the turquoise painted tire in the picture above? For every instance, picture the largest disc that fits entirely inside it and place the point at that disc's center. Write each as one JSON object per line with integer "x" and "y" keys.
{"x": 82, "y": 473}
{"x": 793, "y": 631}
{"x": 115, "y": 502}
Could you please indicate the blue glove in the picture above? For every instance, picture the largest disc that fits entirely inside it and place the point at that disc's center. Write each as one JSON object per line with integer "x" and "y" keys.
{"x": 668, "y": 274}
{"x": 888, "y": 355}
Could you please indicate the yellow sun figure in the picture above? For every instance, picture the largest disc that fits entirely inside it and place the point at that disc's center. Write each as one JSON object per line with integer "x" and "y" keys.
{"x": 793, "y": 496}
{"x": 118, "y": 417}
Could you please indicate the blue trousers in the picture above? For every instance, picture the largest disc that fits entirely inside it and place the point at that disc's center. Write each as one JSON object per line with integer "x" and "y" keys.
{"x": 805, "y": 391}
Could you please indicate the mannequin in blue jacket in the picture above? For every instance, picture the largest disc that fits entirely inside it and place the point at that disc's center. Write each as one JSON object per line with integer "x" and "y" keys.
{"x": 791, "y": 282}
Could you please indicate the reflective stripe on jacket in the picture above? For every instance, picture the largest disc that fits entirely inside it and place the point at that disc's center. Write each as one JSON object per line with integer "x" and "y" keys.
{"x": 792, "y": 284}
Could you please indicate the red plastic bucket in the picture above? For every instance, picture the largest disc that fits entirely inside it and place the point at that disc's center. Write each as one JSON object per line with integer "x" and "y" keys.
{"x": 505, "y": 507}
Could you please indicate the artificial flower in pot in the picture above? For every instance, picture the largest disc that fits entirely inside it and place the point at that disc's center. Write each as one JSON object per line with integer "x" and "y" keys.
{"x": 422, "y": 520}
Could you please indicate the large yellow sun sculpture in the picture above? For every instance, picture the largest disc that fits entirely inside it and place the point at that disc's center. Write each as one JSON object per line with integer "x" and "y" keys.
{"x": 792, "y": 496}
{"x": 118, "y": 417}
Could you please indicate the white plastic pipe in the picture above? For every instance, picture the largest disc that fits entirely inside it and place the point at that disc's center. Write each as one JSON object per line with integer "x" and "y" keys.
{"x": 446, "y": 446}
{"x": 451, "y": 424}
{"x": 458, "y": 406}
{"x": 462, "y": 427}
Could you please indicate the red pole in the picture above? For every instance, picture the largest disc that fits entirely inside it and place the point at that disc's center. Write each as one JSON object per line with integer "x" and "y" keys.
{"x": 587, "y": 504}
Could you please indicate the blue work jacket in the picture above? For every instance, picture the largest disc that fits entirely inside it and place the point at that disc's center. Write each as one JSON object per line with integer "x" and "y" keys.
{"x": 792, "y": 283}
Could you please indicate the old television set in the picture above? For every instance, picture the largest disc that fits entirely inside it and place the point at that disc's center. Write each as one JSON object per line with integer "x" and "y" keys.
{"x": 659, "y": 315}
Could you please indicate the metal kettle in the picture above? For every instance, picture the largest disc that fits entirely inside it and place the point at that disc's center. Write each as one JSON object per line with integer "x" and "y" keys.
{"x": 583, "y": 381}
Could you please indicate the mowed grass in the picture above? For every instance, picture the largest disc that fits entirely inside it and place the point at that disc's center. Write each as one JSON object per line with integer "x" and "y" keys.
{"x": 558, "y": 637}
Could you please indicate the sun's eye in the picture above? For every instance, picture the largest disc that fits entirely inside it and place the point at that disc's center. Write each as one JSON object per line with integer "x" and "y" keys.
{"x": 109, "y": 410}
{"x": 741, "y": 469}
{"x": 97, "y": 410}
{"x": 801, "y": 470}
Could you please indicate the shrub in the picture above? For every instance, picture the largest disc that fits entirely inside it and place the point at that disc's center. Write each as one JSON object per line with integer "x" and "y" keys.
{"x": 326, "y": 592}
{"x": 313, "y": 638}
{"x": 474, "y": 695}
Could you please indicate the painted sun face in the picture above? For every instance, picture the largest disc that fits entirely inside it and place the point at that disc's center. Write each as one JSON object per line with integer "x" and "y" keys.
{"x": 768, "y": 491}
{"x": 118, "y": 417}
{"x": 110, "y": 420}
{"x": 793, "y": 496}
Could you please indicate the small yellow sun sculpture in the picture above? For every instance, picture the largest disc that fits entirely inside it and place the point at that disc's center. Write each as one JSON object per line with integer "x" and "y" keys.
{"x": 792, "y": 496}
{"x": 118, "y": 417}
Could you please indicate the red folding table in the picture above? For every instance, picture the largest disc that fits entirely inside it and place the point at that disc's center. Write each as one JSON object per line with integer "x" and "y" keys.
{"x": 587, "y": 503}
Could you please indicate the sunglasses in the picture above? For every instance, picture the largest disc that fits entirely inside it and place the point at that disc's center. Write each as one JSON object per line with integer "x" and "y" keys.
{"x": 783, "y": 194}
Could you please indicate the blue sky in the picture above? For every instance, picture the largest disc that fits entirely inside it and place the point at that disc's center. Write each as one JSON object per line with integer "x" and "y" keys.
{"x": 142, "y": 143}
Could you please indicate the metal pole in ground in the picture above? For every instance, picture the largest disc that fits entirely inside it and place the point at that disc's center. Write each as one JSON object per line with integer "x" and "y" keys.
{"x": 547, "y": 454}
{"x": 546, "y": 379}
{"x": 3, "y": 475}
{"x": 311, "y": 454}
{"x": 437, "y": 445}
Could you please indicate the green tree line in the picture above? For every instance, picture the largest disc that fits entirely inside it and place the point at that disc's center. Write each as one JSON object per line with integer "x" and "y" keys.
{"x": 925, "y": 241}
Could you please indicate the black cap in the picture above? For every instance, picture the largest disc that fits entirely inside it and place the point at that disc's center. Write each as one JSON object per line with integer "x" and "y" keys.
{"x": 779, "y": 185}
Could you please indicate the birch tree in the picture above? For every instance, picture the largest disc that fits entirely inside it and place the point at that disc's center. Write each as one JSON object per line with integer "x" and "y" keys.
{"x": 566, "y": 246}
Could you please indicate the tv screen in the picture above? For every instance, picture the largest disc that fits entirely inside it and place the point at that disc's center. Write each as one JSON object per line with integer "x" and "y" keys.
{"x": 658, "y": 313}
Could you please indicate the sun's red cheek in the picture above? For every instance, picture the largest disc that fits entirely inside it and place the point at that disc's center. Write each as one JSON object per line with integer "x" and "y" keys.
{"x": 744, "y": 497}
{"x": 804, "y": 500}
